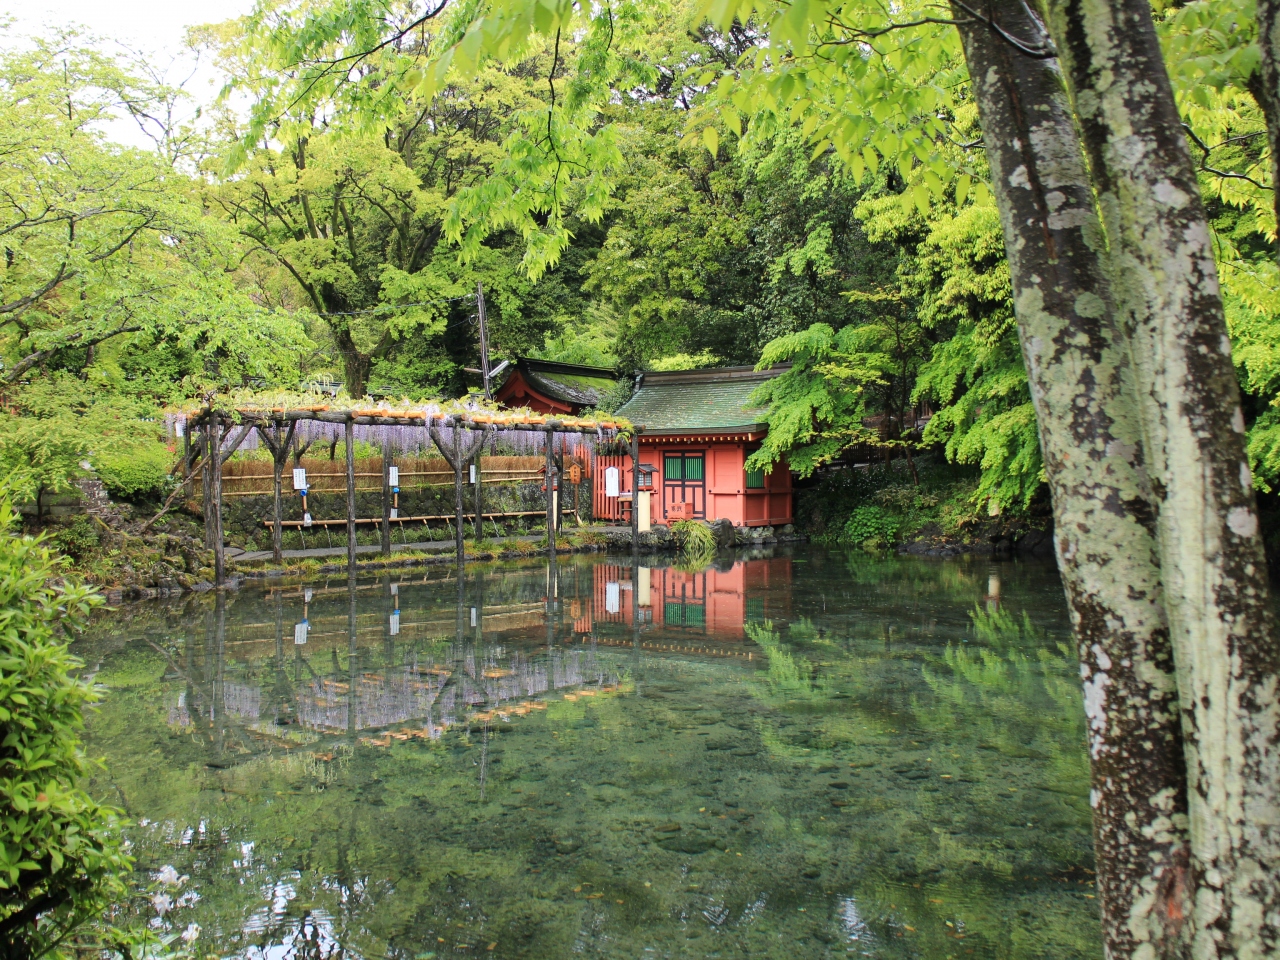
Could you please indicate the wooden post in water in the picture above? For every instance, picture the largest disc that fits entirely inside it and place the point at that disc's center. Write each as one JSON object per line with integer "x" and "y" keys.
{"x": 350, "y": 436}
{"x": 551, "y": 492}
{"x": 386, "y": 499}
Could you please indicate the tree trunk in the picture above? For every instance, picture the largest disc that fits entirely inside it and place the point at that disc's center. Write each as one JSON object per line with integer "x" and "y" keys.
{"x": 1089, "y": 437}
{"x": 355, "y": 364}
{"x": 1264, "y": 84}
{"x": 1188, "y": 403}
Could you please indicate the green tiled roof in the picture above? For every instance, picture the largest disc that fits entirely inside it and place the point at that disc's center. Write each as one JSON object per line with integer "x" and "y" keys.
{"x": 569, "y": 382}
{"x": 688, "y": 401}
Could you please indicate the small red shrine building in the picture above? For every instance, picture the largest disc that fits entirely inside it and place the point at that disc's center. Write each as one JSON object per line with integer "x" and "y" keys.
{"x": 556, "y": 388}
{"x": 697, "y": 429}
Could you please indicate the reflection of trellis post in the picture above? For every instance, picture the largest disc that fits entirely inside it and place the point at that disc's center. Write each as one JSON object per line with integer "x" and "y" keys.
{"x": 352, "y": 658}
{"x": 219, "y": 679}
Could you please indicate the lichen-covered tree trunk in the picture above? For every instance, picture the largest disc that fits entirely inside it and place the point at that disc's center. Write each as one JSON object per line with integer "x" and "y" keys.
{"x": 1092, "y": 450}
{"x": 1167, "y": 298}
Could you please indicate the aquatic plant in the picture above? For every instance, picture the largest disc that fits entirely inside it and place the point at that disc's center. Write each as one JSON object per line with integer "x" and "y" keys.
{"x": 697, "y": 543}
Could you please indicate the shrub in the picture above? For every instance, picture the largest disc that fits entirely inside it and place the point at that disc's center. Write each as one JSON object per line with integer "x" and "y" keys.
{"x": 135, "y": 469}
{"x": 870, "y": 524}
{"x": 61, "y": 854}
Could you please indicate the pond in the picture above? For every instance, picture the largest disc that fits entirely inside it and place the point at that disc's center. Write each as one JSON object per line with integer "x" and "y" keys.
{"x": 792, "y": 753}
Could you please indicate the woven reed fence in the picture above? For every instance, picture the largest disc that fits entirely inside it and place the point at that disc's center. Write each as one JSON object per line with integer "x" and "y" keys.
{"x": 253, "y": 478}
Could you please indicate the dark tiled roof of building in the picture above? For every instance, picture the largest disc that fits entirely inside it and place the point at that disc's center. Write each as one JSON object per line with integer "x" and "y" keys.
{"x": 698, "y": 400}
{"x": 569, "y": 382}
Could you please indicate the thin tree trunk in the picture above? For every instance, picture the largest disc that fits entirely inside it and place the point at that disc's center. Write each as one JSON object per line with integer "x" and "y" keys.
{"x": 386, "y": 499}
{"x": 1264, "y": 84}
{"x": 1167, "y": 297}
{"x": 1089, "y": 436}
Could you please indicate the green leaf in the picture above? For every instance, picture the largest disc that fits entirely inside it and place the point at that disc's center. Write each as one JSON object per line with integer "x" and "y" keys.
{"x": 711, "y": 139}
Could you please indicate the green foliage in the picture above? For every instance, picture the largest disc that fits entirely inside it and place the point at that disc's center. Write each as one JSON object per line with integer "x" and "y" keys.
{"x": 136, "y": 469}
{"x": 871, "y": 525}
{"x": 107, "y": 245}
{"x": 61, "y": 855}
{"x": 77, "y": 538}
{"x": 57, "y": 423}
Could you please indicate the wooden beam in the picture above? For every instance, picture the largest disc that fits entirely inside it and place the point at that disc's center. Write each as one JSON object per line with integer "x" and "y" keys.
{"x": 350, "y": 436}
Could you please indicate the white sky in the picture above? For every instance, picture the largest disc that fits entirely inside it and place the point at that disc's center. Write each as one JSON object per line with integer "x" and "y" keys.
{"x": 152, "y": 27}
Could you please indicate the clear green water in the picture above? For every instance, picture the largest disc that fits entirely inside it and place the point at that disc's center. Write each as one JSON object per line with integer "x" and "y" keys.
{"x": 801, "y": 754}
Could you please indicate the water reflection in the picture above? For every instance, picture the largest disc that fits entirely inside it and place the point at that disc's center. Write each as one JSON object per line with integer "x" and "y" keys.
{"x": 792, "y": 755}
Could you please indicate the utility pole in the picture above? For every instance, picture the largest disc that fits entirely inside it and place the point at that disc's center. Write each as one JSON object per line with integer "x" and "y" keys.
{"x": 484, "y": 339}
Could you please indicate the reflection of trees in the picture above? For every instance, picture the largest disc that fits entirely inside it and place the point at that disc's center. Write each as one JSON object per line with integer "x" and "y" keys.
{"x": 962, "y": 746}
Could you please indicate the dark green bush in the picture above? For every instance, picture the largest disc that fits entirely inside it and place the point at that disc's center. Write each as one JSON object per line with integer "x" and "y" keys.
{"x": 134, "y": 469}
{"x": 61, "y": 854}
{"x": 871, "y": 524}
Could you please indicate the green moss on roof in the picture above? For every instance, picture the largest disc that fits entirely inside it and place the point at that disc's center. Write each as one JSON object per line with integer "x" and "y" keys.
{"x": 692, "y": 400}
{"x": 568, "y": 382}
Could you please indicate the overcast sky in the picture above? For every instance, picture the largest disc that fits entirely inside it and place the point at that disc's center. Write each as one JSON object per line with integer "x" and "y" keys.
{"x": 153, "y": 27}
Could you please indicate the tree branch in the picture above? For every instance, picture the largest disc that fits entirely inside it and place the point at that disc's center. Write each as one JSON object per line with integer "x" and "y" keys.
{"x": 29, "y": 361}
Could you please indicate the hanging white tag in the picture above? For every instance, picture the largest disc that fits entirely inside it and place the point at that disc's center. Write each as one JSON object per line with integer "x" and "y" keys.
{"x": 299, "y": 478}
{"x": 393, "y": 476}
{"x": 395, "y": 624}
{"x": 395, "y": 514}
{"x": 300, "y": 633}
{"x": 611, "y": 603}
{"x": 180, "y": 428}
{"x": 306, "y": 519}
{"x": 611, "y": 482}
{"x": 395, "y": 589}
{"x": 473, "y": 616}
{"x": 307, "y": 594}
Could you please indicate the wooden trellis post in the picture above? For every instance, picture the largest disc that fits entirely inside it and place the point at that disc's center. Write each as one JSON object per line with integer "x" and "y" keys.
{"x": 279, "y": 446}
{"x": 635, "y": 490}
{"x": 551, "y": 492}
{"x": 350, "y": 436}
{"x": 217, "y": 459}
{"x": 479, "y": 524}
{"x": 386, "y": 499}
{"x": 206, "y": 479}
{"x": 215, "y": 463}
